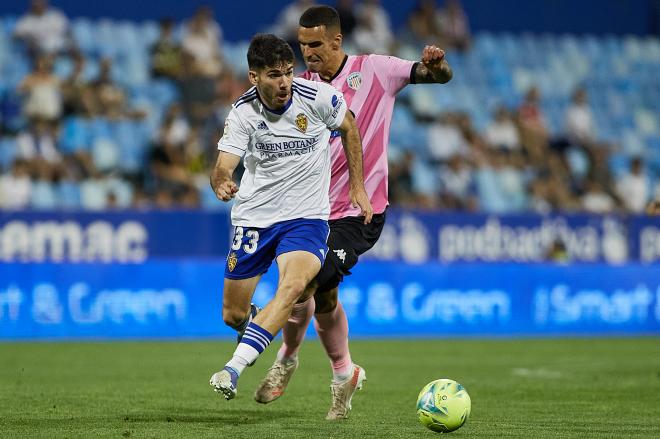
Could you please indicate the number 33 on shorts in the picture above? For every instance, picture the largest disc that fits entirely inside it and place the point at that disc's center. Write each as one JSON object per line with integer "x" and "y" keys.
{"x": 246, "y": 257}
{"x": 252, "y": 240}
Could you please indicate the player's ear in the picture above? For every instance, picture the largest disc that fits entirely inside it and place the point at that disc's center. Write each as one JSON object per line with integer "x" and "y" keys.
{"x": 336, "y": 41}
{"x": 253, "y": 77}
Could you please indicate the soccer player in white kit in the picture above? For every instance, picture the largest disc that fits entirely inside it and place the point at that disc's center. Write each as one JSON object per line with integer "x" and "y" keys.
{"x": 370, "y": 84}
{"x": 281, "y": 128}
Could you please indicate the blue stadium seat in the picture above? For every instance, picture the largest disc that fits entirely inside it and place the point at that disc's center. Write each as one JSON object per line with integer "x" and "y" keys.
{"x": 68, "y": 194}
{"x": 43, "y": 195}
{"x": 7, "y": 152}
{"x": 75, "y": 135}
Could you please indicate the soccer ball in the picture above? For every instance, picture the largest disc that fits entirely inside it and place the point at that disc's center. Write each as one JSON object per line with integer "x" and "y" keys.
{"x": 443, "y": 405}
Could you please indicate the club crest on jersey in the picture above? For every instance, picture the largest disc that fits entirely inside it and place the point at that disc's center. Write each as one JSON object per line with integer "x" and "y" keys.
{"x": 232, "y": 260}
{"x": 301, "y": 122}
{"x": 354, "y": 80}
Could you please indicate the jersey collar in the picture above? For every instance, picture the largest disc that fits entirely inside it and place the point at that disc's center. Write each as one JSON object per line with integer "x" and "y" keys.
{"x": 341, "y": 67}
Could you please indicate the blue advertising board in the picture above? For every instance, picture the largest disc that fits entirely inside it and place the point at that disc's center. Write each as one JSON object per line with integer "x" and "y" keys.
{"x": 413, "y": 237}
{"x": 381, "y": 299}
{"x": 418, "y": 237}
{"x": 112, "y": 237}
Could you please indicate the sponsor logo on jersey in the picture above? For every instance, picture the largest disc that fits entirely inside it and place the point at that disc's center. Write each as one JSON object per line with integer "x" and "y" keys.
{"x": 334, "y": 101}
{"x": 337, "y": 106}
{"x": 301, "y": 122}
{"x": 232, "y": 260}
{"x": 354, "y": 80}
{"x": 262, "y": 125}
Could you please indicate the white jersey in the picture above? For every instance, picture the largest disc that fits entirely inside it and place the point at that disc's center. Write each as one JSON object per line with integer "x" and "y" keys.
{"x": 286, "y": 154}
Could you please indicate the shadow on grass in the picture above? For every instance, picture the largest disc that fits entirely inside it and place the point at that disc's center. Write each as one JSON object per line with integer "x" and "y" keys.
{"x": 237, "y": 416}
{"x": 234, "y": 416}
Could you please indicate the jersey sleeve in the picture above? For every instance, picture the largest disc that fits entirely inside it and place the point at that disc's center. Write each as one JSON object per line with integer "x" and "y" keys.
{"x": 330, "y": 105}
{"x": 235, "y": 138}
{"x": 393, "y": 72}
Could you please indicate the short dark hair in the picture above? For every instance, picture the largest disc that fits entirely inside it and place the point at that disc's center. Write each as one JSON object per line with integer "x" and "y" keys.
{"x": 320, "y": 16}
{"x": 268, "y": 50}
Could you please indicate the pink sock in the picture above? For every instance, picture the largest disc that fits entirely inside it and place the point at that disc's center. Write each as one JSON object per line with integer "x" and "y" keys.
{"x": 332, "y": 329}
{"x": 294, "y": 329}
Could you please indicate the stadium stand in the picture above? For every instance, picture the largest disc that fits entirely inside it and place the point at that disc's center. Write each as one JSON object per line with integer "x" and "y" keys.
{"x": 121, "y": 134}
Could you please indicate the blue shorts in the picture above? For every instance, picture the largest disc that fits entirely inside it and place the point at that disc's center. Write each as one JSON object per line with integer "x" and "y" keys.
{"x": 254, "y": 249}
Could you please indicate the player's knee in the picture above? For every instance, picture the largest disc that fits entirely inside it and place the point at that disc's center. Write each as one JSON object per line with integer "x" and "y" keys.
{"x": 233, "y": 317}
{"x": 293, "y": 289}
{"x": 326, "y": 301}
{"x": 310, "y": 289}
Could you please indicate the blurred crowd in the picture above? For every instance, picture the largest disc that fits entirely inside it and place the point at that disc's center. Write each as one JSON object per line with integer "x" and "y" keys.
{"x": 515, "y": 163}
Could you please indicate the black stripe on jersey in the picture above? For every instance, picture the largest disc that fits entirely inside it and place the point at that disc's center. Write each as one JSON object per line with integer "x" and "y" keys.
{"x": 304, "y": 87}
{"x": 244, "y": 101}
{"x": 249, "y": 95}
{"x": 304, "y": 93}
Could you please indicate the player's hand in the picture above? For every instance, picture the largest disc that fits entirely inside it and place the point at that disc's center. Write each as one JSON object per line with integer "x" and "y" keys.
{"x": 225, "y": 191}
{"x": 359, "y": 198}
{"x": 432, "y": 57}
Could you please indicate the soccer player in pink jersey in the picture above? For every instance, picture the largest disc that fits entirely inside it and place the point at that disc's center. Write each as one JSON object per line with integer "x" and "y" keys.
{"x": 370, "y": 84}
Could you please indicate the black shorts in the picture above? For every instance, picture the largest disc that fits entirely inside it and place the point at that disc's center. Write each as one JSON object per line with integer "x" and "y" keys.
{"x": 349, "y": 237}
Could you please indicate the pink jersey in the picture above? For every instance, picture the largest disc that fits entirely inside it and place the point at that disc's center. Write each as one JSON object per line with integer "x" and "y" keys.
{"x": 369, "y": 84}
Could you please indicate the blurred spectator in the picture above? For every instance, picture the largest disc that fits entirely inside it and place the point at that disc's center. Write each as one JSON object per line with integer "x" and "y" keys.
{"x": 423, "y": 25}
{"x": 197, "y": 93}
{"x": 166, "y": 52}
{"x": 400, "y": 177}
{"x": 457, "y": 185}
{"x": 286, "y": 25}
{"x": 558, "y": 252}
{"x": 599, "y": 169}
{"x": 579, "y": 120}
{"x": 16, "y": 186}
{"x": 37, "y": 145}
{"x": 446, "y": 139}
{"x": 539, "y": 197}
{"x": 41, "y": 88}
{"x": 202, "y": 40}
{"x": 633, "y": 187}
{"x": 596, "y": 200}
{"x": 653, "y": 208}
{"x": 347, "y": 18}
{"x": 454, "y": 26}
{"x": 73, "y": 88}
{"x": 373, "y": 30}
{"x": 502, "y": 133}
{"x": 175, "y": 128}
{"x": 43, "y": 29}
{"x": 109, "y": 97}
{"x": 533, "y": 132}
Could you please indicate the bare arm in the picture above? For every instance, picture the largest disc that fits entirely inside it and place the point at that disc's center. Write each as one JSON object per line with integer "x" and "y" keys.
{"x": 221, "y": 176}
{"x": 350, "y": 139}
{"x": 434, "y": 68}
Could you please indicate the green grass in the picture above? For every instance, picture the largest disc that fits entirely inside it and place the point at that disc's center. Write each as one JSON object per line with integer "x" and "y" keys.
{"x": 520, "y": 388}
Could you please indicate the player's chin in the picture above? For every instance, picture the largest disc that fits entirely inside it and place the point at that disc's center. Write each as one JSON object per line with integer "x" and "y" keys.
{"x": 314, "y": 66}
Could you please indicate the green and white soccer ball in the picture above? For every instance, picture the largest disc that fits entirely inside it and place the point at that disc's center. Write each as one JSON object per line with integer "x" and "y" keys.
{"x": 443, "y": 405}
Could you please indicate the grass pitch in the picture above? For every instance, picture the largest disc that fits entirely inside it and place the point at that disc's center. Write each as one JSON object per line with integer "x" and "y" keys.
{"x": 521, "y": 388}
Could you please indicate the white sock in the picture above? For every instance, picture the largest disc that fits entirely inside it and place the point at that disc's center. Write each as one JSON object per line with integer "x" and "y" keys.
{"x": 243, "y": 355}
